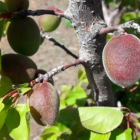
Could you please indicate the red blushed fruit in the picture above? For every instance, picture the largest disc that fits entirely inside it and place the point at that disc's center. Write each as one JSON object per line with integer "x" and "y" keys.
{"x": 121, "y": 60}
{"x": 44, "y": 104}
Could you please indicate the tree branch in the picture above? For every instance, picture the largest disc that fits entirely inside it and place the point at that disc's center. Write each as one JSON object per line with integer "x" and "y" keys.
{"x": 58, "y": 44}
{"x": 24, "y": 13}
{"x": 110, "y": 16}
{"x": 55, "y": 71}
{"x": 121, "y": 27}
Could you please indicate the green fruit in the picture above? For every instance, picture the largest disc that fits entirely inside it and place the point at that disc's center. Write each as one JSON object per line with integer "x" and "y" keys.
{"x": 49, "y": 23}
{"x": 19, "y": 68}
{"x": 40, "y": 71}
{"x": 16, "y": 5}
{"x": 24, "y": 36}
{"x": 44, "y": 104}
{"x": 121, "y": 60}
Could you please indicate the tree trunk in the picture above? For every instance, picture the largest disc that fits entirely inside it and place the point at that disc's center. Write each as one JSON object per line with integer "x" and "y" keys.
{"x": 87, "y": 19}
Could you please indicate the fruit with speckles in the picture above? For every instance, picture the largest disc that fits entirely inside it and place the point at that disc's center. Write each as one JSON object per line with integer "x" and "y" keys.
{"x": 44, "y": 103}
{"x": 19, "y": 68}
{"x": 49, "y": 23}
{"x": 121, "y": 60}
{"x": 24, "y": 36}
{"x": 16, "y": 5}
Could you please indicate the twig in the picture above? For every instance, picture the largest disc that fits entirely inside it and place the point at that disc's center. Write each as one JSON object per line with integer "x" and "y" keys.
{"x": 110, "y": 16}
{"x": 58, "y": 44}
{"x": 24, "y": 13}
{"x": 55, "y": 71}
{"x": 124, "y": 26}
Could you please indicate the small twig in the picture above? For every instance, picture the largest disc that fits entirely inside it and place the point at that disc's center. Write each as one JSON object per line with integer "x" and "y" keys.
{"x": 55, "y": 71}
{"x": 109, "y": 15}
{"x": 44, "y": 35}
{"x": 124, "y": 26}
{"x": 24, "y": 13}
{"x": 9, "y": 94}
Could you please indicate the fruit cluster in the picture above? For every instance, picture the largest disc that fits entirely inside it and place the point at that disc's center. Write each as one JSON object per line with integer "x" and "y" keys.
{"x": 23, "y": 35}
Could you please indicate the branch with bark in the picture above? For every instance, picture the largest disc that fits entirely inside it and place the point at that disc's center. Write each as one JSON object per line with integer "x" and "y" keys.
{"x": 55, "y": 71}
{"x": 44, "y": 35}
{"x": 121, "y": 28}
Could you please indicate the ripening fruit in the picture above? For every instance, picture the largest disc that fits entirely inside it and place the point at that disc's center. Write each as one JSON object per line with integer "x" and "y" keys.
{"x": 19, "y": 68}
{"x": 16, "y": 5}
{"x": 121, "y": 60}
{"x": 24, "y": 36}
{"x": 44, "y": 104}
{"x": 40, "y": 71}
{"x": 49, "y": 23}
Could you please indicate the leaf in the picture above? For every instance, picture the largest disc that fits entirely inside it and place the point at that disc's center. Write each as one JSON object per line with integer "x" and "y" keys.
{"x": 62, "y": 105}
{"x": 3, "y": 115}
{"x": 23, "y": 88}
{"x": 66, "y": 23}
{"x": 100, "y": 119}
{"x": 97, "y": 136}
{"x": 2, "y": 27}
{"x": 118, "y": 134}
{"x": 18, "y": 122}
{"x": 81, "y": 74}
{"x": 0, "y": 60}
{"x": 3, "y": 7}
{"x": 1, "y": 105}
{"x": 76, "y": 96}
{"x": 4, "y": 134}
{"x": 50, "y": 133}
{"x": 65, "y": 90}
{"x": 5, "y": 85}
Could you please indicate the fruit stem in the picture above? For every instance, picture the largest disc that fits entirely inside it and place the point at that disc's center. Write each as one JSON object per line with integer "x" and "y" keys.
{"x": 9, "y": 94}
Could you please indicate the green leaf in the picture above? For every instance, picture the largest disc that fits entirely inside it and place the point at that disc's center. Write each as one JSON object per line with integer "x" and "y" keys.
{"x": 4, "y": 134}
{"x": 76, "y": 96}
{"x": 97, "y": 136}
{"x": 118, "y": 134}
{"x": 18, "y": 122}
{"x": 100, "y": 119}
{"x": 3, "y": 7}
{"x": 65, "y": 90}
{"x": 0, "y": 60}
{"x": 1, "y": 104}
{"x": 23, "y": 88}
{"x": 50, "y": 133}
{"x": 2, "y": 23}
{"x": 3, "y": 115}
{"x": 81, "y": 74}
{"x": 62, "y": 105}
{"x": 5, "y": 85}
{"x": 66, "y": 23}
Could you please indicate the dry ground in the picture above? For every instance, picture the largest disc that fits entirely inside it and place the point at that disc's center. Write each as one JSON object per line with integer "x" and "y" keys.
{"x": 50, "y": 56}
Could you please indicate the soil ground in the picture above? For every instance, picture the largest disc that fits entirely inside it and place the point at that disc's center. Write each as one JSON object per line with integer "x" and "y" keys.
{"x": 50, "y": 56}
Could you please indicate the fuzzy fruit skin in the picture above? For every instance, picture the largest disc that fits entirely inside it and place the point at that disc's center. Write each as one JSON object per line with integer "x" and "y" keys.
{"x": 49, "y": 23}
{"x": 16, "y": 5}
{"x": 19, "y": 68}
{"x": 44, "y": 104}
{"x": 121, "y": 60}
{"x": 24, "y": 36}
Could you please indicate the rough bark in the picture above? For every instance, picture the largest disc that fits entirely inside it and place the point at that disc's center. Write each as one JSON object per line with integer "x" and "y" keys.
{"x": 87, "y": 19}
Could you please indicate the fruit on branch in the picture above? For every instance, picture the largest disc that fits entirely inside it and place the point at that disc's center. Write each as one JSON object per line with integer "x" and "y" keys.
{"x": 16, "y": 5}
{"x": 19, "y": 68}
{"x": 49, "y": 23}
{"x": 40, "y": 71}
{"x": 24, "y": 36}
{"x": 121, "y": 59}
{"x": 44, "y": 104}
